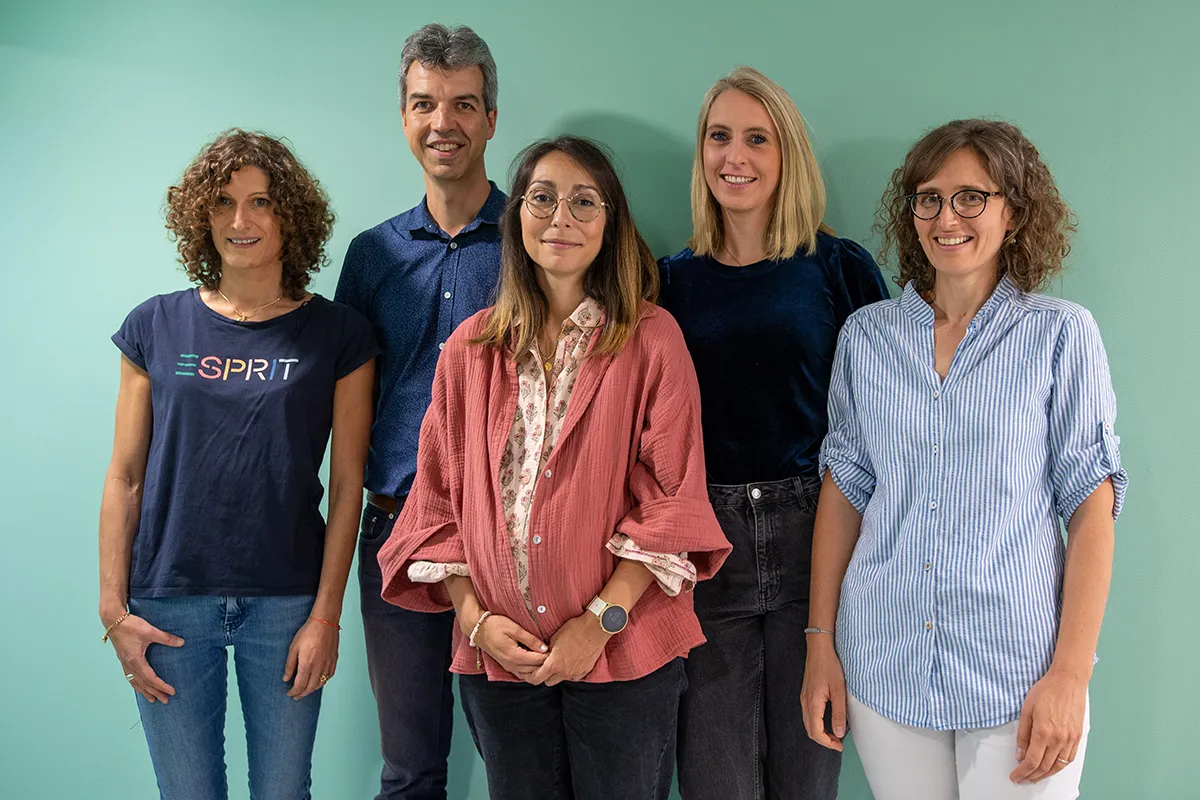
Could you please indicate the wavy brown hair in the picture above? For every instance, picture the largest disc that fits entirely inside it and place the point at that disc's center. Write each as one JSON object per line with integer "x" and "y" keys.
{"x": 623, "y": 274}
{"x": 301, "y": 206}
{"x": 1033, "y": 251}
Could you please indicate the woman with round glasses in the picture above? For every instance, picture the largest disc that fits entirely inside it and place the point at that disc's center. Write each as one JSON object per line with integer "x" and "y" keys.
{"x": 760, "y": 294}
{"x": 967, "y": 418}
{"x": 559, "y": 504}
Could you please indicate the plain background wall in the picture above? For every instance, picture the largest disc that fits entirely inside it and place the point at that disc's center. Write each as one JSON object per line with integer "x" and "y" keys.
{"x": 103, "y": 104}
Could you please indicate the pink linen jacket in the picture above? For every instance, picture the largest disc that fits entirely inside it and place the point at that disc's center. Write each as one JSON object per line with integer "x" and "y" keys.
{"x": 629, "y": 459}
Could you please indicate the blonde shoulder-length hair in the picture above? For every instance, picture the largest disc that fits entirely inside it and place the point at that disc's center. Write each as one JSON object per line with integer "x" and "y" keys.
{"x": 800, "y": 198}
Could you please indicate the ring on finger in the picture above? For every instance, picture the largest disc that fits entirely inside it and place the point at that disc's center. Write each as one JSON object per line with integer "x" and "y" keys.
{"x": 324, "y": 678}
{"x": 129, "y": 677}
{"x": 1063, "y": 761}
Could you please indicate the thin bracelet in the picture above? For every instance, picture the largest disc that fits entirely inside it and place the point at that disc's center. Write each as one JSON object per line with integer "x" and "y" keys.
{"x": 109, "y": 629}
{"x": 818, "y": 630}
{"x": 475, "y": 630}
{"x": 326, "y": 622}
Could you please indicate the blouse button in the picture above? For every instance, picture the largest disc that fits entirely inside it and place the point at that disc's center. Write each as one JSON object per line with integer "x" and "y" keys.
{"x": 937, "y": 393}
{"x": 537, "y": 540}
{"x": 756, "y": 493}
{"x": 547, "y": 473}
{"x": 541, "y": 609}
{"x": 928, "y": 626}
{"x": 454, "y": 245}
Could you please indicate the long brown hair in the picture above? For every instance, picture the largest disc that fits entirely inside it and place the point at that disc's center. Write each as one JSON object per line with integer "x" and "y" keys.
{"x": 623, "y": 274}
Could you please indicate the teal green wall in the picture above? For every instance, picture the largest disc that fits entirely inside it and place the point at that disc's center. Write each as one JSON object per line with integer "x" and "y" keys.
{"x": 102, "y": 104}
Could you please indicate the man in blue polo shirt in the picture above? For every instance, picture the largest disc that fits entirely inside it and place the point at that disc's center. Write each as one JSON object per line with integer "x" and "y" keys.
{"x": 416, "y": 277}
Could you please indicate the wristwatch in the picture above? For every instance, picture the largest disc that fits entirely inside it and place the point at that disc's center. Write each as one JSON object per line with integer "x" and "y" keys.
{"x": 613, "y": 618}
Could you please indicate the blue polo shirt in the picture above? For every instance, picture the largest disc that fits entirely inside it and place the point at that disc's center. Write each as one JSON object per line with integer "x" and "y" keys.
{"x": 416, "y": 284}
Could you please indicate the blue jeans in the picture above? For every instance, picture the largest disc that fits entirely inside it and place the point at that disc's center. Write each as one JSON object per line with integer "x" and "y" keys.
{"x": 408, "y": 659}
{"x": 575, "y": 740}
{"x": 187, "y": 735}
{"x": 741, "y": 734}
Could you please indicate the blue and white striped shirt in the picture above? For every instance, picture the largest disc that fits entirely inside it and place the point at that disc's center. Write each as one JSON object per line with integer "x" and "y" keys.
{"x": 950, "y": 606}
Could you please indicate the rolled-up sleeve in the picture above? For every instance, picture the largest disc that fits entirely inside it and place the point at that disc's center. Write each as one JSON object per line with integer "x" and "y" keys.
{"x": 1083, "y": 410}
{"x": 844, "y": 453}
{"x": 671, "y": 513}
{"x": 427, "y": 529}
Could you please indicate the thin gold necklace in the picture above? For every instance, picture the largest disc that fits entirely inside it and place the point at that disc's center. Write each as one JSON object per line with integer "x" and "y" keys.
{"x": 246, "y": 316}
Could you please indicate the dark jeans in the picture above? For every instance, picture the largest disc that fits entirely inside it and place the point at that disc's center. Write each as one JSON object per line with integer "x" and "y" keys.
{"x": 741, "y": 732}
{"x": 408, "y": 658}
{"x": 577, "y": 741}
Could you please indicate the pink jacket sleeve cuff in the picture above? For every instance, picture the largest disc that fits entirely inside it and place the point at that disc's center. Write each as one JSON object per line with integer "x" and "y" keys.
{"x": 673, "y": 571}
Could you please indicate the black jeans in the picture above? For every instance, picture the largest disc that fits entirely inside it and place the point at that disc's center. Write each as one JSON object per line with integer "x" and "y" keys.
{"x": 408, "y": 658}
{"x": 577, "y": 741}
{"x": 741, "y": 731}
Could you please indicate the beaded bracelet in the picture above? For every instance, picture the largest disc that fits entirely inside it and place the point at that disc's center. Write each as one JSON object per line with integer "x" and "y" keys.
{"x": 116, "y": 622}
{"x": 818, "y": 630}
{"x": 471, "y": 639}
{"x": 326, "y": 622}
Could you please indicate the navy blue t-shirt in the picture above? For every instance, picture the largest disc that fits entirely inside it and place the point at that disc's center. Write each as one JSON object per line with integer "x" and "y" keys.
{"x": 242, "y": 414}
{"x": 762, "y": 338}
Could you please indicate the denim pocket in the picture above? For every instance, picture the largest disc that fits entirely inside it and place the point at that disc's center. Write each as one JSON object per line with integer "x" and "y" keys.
{"x": 375, "y": 524}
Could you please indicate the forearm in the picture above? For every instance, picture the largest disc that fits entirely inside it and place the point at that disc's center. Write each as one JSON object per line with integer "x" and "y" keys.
{"x": 467, "y": 607}
{"x": 341, "y": 533}
{"x": 120, "y": 510}
{"x": 835, "y": 532}
{"x": 627, "y": 583}
{"x": 1088, "y": 572}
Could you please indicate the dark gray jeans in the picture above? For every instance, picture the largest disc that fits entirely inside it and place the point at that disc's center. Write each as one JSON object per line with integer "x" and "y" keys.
{"x": 741, "y": 732}
{"x": 408, "y": 658}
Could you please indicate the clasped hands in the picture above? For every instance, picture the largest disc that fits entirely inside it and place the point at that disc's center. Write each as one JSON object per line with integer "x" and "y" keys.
{"x": 569, "y": 656}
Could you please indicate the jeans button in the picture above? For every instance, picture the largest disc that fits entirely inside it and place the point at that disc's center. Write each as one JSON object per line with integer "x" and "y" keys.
{"x": 756, "y": 493}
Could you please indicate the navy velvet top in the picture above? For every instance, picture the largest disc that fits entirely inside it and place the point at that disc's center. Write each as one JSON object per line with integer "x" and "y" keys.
{"x": 762, "y": 338}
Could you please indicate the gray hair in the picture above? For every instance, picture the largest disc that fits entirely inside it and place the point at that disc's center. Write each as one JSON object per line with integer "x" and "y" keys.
{"x": 439, "y": 47}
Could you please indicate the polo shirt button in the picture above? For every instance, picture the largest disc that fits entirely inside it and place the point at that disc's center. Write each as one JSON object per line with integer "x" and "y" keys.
{"x": 547, "y": 473}
{"x": 541, "y": 609}
{"x": 756, "y": 493}
{"x": 454, "y": 245}
{"x": 537, "y": 540}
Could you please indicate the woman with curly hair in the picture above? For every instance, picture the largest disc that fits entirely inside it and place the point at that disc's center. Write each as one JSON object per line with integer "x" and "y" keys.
{"x": 951, "y": 625}
{"x": 211, "y": 532}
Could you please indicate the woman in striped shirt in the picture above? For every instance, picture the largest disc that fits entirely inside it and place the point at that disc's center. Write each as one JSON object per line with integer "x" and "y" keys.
{"x": 966, "y": 417}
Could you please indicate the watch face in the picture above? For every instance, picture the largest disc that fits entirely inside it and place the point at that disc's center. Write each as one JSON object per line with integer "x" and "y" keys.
{"x": 613, "y": 619}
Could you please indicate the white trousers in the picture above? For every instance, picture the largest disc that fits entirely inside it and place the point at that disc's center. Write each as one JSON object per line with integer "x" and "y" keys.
{"x": 905, "y": 763}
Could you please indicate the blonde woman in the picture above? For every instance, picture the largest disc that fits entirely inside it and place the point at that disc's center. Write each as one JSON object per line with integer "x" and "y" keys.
{"x": 760, "y": 293}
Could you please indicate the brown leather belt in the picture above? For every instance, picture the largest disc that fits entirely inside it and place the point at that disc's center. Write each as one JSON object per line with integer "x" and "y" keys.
{"x": 388, "y": 504}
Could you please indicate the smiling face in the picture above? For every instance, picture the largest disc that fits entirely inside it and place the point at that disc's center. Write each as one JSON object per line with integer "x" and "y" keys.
{"x": 243, "y": 223}
{"x": 742, "y": 154}
{"x": 958, "y": 247}
{"x": 445, "y": 122}
{"x": 562, "y": 246}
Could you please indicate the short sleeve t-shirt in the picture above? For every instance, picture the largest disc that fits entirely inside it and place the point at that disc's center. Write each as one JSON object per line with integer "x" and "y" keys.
{"x": 242, "y": 413}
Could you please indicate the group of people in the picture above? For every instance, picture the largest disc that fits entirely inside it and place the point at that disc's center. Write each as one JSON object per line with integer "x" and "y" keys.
{"x": 712, "y": 512}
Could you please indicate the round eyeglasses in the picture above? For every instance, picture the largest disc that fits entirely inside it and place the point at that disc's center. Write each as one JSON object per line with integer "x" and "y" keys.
{"x": 968, "y": 203}
{"x": 584, "y": 206}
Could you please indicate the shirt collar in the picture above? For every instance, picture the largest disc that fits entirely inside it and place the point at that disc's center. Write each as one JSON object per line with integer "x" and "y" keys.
{"x": 419, "y": 218}
{"x": 588, "y": 314}
{"x": 921, "y": 312}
